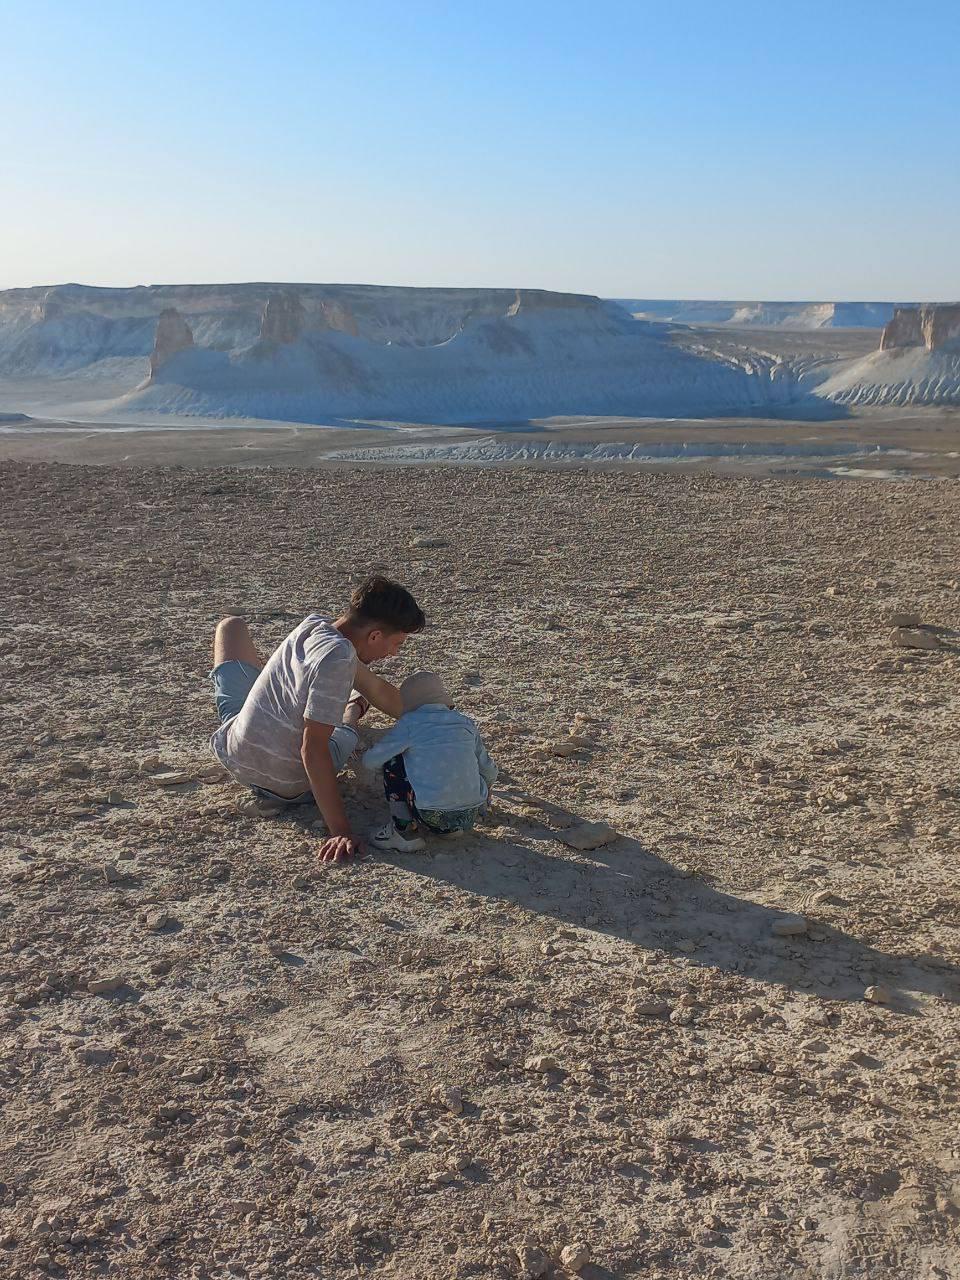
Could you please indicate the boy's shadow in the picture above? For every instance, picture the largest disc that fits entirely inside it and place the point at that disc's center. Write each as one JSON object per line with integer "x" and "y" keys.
{"x": 625, "y": 890}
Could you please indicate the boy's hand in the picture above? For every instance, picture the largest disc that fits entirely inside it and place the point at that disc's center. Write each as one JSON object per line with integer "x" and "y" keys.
{"x": 341, "y": 849}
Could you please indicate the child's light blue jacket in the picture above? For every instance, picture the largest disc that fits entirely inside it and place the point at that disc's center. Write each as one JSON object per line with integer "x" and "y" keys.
{"x": 445, "y": 760}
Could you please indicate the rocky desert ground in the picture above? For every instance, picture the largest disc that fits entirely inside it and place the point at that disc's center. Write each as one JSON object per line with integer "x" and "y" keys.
{"x": 686, "y": 1006}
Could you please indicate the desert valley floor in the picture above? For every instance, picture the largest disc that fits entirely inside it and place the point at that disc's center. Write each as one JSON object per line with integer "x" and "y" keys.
{"x": 722, "y": 1044}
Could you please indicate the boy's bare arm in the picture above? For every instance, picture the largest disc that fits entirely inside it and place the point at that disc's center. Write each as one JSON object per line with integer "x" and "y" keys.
{"x": 383, "y": 695}
{"x": 315, "y": 753}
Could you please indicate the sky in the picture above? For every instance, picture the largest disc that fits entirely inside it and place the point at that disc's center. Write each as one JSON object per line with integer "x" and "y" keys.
{"x": 676, "y": 149}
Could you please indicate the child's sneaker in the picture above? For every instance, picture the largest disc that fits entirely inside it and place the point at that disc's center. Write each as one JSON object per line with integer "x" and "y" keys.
{"x": 389, "y": 837}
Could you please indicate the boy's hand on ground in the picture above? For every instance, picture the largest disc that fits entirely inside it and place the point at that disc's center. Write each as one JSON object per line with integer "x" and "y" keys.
{"x": 341, "y": 849}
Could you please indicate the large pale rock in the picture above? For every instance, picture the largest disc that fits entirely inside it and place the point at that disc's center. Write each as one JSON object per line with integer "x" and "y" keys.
{"x": 913, "y": 638}
{"x": 173, "y": 335}
{"x": 588, "y": 835}
{"x": 934, "y": 327}
{"x": 282, "y": 318}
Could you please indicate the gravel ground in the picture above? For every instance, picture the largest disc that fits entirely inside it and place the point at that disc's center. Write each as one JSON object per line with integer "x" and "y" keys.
{"x": 723, "y": 1043}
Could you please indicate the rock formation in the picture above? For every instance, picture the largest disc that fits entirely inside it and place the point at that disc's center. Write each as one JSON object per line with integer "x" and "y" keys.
{"x": 282, "y": 318}
{"x": 543, "y": 300}
{"x": 339, "y": 317}
{"x": 932, "y": 326}
{"x": 173, "y": 335}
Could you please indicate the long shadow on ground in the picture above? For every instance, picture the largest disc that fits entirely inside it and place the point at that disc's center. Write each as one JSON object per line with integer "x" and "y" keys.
{"x": 625, "y": 890}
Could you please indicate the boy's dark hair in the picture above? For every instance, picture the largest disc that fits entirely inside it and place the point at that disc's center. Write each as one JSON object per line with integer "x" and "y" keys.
{"x": 379, "y": 600}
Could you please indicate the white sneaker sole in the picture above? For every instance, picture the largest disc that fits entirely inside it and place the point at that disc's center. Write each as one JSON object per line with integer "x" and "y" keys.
{"x": 408, "y": 846}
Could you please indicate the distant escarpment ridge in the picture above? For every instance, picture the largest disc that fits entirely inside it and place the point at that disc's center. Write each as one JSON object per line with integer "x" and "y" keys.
{"x": 316, "y": 352}
{"x": 764, "y": 315}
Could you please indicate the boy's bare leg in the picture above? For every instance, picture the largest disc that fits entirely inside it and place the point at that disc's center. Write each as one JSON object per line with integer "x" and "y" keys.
{"x": 232, "y": 642}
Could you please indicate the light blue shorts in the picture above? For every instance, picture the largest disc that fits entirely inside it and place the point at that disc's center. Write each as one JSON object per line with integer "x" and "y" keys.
{"x": 232, "y": 682}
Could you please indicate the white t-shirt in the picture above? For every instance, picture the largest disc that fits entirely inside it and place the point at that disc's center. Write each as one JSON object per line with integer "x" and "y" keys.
{"x": 309, "y": 677}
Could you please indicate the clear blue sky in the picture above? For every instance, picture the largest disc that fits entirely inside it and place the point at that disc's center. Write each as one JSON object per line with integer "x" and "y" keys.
{"x": 685, "y": 148}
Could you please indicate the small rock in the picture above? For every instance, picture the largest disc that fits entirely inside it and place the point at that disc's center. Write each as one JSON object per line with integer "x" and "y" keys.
{"x": 709, "y": 1239}
{"x": 74, "y": 768}
{"x": 174, "y": 778}
{"x": 112, "y": 873}
{"x": 789, "y": 927}
{"x": 574, "y": 1256}
{"x": 105, "y": 986}
{"x": 563, "y": 749}
{"x": 300, "y": 882}
{"x": 355, "y": 1225}
{"x": 114, "y": 798}
{"x": 541, "y": 1062}
{"x": 588, "y": 835}
{"x": 423, "y": 542}
{"x": 905, "y": 620}
{"x": 452, "y": 1099}
{"x": 197, "y": 1073}
{"x": 149, "y": 764}
{"x": 533, "y": 1262}
{"x": 826, "y": 897}
{"x": 913, "y": 638}
{"x": 650, "y": 1008}
{"x": 877, "y": 994}
{"x": 156, "y": 921}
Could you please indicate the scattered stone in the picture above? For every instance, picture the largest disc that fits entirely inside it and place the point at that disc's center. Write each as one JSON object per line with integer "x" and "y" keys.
{"x": 174, "y": 778}
{"x": 300, "y": 882}
{"x": 574, "y": 1257}
{"x": 825, "y": 898}
{"x": 650, "y": 1008}
{"x": 425, "y": 542}
{"x": 74, "y": 768}
{"x": 588, "y": 835}
{"x": 913, "y": 638}
{"x": 789, "y": 927}
{"x": 112, "y": 873}
{"x": 709, "y": 1239}
{"x": 533, "y": 1262}
{"x": 149, "y": 764}
{"x": 910, "y": 620}
{"x": 563, "y": 749}
{"x": 877, "y": 994}
{"x": 105, "y": 986}
{"x": 452, "y": 1099}
{"x": 197, "y": 1073}
{"x": 541, "y": 1062}
{"x": 157, "y": 921}
{"x": 355, "y": 1225}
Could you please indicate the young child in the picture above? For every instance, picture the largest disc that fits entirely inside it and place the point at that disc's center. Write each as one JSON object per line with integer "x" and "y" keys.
{"x": 436, "y": 771}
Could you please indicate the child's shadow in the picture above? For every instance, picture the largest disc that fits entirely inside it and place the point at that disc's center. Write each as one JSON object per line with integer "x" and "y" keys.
{"x": 625, "y": 890}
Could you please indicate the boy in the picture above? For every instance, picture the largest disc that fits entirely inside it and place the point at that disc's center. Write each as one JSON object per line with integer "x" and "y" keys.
{"x": 288, "y": 725}
{"x": 436, "y": 771}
